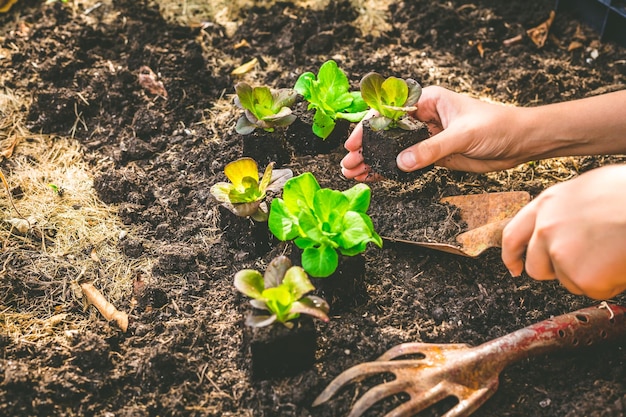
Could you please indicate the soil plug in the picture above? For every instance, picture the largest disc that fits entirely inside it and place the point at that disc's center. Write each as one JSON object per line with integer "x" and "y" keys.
{"x": 108, "y": 310}
{"x": 392, "y": 129}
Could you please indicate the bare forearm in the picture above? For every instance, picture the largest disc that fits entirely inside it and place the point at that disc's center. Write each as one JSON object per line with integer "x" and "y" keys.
{"x": 589, "y": 126}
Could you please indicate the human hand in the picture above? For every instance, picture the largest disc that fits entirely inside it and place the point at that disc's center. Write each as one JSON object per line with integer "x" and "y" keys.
{"x": 467, "y": 134}
{"x": 575, "y": 232}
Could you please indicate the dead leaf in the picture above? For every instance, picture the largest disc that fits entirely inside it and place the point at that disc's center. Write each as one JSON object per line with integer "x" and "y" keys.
{"x": 5, "y": 5}
{"x": 242, "y": 44}
{"x": 148, "y": 80}
{"x": 574, "y": 45}
{"x": 247, "y": 67}
{"x": 539, "y": 34}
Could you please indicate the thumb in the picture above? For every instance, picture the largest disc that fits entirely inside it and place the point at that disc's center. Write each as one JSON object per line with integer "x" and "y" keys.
{"x": 427, "y": 152}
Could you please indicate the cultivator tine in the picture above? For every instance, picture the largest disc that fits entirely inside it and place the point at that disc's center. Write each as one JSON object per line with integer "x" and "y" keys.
{"x": 357, "y": 373}
{"x": 471, "y": 400}
{"x": 376, "y": 394}
{"x": 419, "y": 348}
{"x": 419, "y": 402}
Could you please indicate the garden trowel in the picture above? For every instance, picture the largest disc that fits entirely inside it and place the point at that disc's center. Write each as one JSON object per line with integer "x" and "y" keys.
{"x": 485, "y": 215}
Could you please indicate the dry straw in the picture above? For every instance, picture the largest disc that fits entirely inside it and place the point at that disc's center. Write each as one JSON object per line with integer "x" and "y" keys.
{"x": 71, "y": 235}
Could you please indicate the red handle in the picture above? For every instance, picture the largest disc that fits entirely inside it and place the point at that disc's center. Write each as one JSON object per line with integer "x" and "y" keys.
{"x": 585, "y": 327}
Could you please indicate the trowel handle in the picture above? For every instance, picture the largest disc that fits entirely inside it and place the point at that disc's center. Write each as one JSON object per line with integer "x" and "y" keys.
{"x": 585, "y": 327}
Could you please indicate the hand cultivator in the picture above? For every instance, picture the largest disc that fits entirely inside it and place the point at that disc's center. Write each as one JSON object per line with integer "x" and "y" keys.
{"x": 471, "y": 373}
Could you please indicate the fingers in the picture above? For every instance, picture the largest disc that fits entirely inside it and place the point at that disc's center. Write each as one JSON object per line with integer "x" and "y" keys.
{"x": 352, "y": 160}
{"x": 522, "y": 239}
{"x": 516, "y": 237}
{"x": 353, "y": 143}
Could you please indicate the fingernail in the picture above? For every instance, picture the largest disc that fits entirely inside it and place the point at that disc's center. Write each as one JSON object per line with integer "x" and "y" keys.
{"x": 514, "y": 275}
{"x": 406, "y": 161}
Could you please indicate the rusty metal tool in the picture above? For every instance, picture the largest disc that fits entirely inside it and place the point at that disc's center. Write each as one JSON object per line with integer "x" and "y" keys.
{"x": 471, "y": 374}
{"x": 485, "y": 214}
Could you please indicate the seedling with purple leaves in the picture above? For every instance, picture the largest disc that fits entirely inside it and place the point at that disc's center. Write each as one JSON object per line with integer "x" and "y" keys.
{"x": 245, "y": 195}
{"x": 392, "y": 98}
{"x": 264, "y": 108}
{"x": 281, "y": 291}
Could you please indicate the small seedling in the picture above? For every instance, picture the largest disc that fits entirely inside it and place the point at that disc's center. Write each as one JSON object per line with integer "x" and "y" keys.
{"x": 245, "y": 195}
{"x": 392, "y": 98}
{"x": 329, "y": 95}
{"x": 263, "y": 107}
{"x": 280, "y": 291}
{"x": 322, "y": 221}
{"x": 60, "y": 191}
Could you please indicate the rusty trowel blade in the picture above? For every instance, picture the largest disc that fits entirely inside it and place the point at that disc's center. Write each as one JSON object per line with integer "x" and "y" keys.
{"x": 486, "y": 215}
{"x": 480, "y": 209}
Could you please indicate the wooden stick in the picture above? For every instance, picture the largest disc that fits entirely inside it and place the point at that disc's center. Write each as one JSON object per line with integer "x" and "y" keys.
{"x": 105, "y": 308}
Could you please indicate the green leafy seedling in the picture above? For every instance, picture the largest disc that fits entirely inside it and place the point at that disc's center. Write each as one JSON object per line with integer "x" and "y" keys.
{"x": 244, "y": 195}
{"x": 280, "y": 291}
{"x": 329, "y": 95}
{"x": 392, "y": 98}
{"x": 263, "y": 107}
{"x": 323, "y": 222}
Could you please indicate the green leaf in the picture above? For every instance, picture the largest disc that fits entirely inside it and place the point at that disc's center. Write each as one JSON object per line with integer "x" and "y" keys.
{"x": 245, "y": 97}
{"x": 355, "y": 230}
{"x": 320, "y": 262}
{"x": 278, "y": 301}
{"x": 303, "y": 84}
{"x": 249, "y": 282}
{"x": 299, "y": 191}
{"x": 281, "y": 222}
{"x": 323, "y": 124}
{"x": 359, "y": 197}
{"x": 221, "y": 190}
{"x": 330, "y": 207}
{"x": 297, "y": 281}
{"x": 371, "y": 90}
{"x": 351, "y": 117}
{"x": 394, "y": 92}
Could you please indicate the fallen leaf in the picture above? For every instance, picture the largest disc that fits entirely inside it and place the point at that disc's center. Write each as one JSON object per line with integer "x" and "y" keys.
{"x": 148, "y": 80}
{"x": 539, "y": 34}
{"x": 247, "y": 67}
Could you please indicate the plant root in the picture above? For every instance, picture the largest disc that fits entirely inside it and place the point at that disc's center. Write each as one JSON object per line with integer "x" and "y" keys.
{"x": 108, "y": 310}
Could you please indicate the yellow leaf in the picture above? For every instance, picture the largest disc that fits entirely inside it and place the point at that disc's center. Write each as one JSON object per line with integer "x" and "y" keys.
{"x": 5, "y": 5}
{"x": 247, "y": 67}
{"x": 237, "y": 170}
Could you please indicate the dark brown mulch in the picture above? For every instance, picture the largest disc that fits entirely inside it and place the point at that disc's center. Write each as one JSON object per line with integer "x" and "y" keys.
{"x": 156, "y": 159}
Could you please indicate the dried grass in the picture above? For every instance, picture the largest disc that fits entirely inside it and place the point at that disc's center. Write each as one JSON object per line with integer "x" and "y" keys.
{"x": 72, "y": 234}
{"x": 373, "y": 14}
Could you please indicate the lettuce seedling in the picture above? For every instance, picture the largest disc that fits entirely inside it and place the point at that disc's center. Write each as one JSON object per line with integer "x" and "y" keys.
{"x": 244, "y": 195}
{"x": 329, "y": 95}
{"x": 281, "y": 291}
{"x": 263, "y": 107}
{"x": 392, "y": 98}
{"x": 322, "y": 221}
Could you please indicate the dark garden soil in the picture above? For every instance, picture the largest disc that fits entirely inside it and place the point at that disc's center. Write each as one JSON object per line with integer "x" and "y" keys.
{"x": 154, "y": 157}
